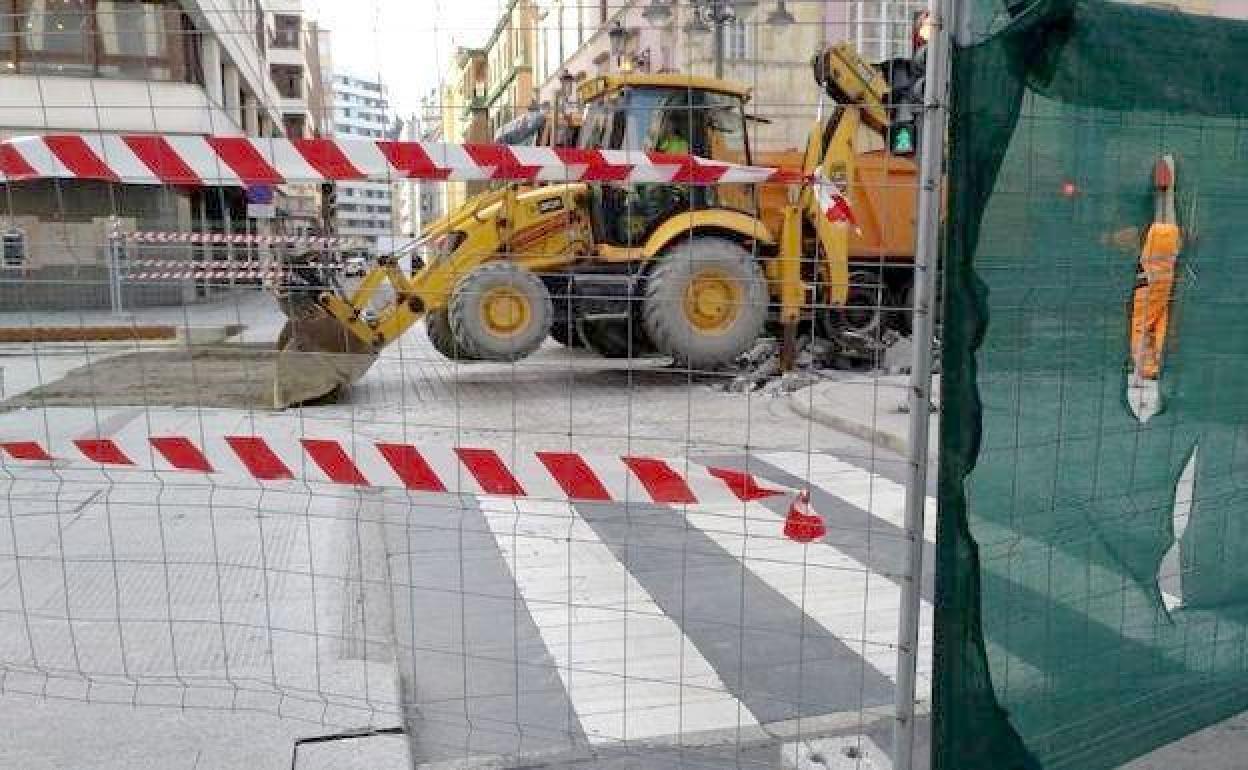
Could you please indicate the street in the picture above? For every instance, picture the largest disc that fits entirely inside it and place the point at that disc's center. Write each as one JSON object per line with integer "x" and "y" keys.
{"x": 530, "y": 629}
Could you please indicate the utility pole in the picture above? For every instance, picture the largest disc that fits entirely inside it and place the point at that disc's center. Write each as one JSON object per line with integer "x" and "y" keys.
{"x": 720, "y": 16}
{"x": 717, "y": 13}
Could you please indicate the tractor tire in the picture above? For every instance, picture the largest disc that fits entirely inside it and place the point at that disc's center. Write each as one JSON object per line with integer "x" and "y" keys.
{"x": 862, "y": 316}
{"x": 564, "y": 332}
{"x": 563, "y": 326}
{"x": 903, "y": 314}
{"x": 614, "y": 338}
{"x": 500, "y": 312}
{"x": 705, "y": 302}
{"x": 438, "y": 329}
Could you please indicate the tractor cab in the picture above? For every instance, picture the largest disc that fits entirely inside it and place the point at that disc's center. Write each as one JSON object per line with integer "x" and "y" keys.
{"x": 677, "y": 114}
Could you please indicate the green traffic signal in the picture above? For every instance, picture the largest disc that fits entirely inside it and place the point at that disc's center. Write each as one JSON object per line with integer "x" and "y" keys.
{"x": 903, "y": 140}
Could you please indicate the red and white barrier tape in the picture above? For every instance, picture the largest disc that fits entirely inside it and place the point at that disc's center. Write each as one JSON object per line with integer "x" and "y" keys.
{"x": 243, "y": 238}
{"x": 456, "y": 470}
{"x": 833, "y": 201}
{"x": 240, "y": 161}
{"x": 237, "y": 264}
{"x": 269, "y": 276}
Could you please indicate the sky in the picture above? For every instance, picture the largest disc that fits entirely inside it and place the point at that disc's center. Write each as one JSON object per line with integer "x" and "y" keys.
{"x": 406, "y": 43}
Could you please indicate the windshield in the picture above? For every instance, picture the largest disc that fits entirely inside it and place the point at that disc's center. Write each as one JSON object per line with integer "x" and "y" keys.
{"x": 645, "y": 119}
{"x": 594, "y": 126}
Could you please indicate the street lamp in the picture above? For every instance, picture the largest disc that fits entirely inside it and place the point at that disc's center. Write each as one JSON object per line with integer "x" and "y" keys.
{"x": 567, "y": 83}
{"x": 658, "y": 12}
{"x": 713, "y": 13}
{"x": 617, "y": 33}
{"x": 696, "y": 25}
{"x": 564, "y": 100}
{"x": 780, "y": 16}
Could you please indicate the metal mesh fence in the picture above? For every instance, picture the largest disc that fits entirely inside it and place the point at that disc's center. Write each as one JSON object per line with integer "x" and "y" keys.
{"x": 582, "y": 445}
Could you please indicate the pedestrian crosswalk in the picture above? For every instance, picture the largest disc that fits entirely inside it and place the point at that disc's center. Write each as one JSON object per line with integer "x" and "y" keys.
{"x": 658, "y": 623}
{"x": 629, "y": 671}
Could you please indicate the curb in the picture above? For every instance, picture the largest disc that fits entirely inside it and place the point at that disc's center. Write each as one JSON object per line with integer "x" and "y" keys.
{"x": 746, "y": 736}
{"x": 119, "y": 333}
{"x": 207, "y": 335}
{"x": 803, "y": 407}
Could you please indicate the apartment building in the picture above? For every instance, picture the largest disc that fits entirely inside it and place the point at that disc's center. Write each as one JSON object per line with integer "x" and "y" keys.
{"x": 163, "y": 66}
{"x": 297, "y": 54}
{"x": 419, "y": 202}
{"x": 365, "y": 210}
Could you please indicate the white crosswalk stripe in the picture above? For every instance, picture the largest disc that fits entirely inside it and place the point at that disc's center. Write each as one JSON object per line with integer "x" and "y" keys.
{"x": 628, "y": 669}
{"x": 834, "y": 589}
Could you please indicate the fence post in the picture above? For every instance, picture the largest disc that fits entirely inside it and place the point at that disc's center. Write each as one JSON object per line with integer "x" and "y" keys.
{"x": 926, "y": 267}
{"x": 115, "y": 248}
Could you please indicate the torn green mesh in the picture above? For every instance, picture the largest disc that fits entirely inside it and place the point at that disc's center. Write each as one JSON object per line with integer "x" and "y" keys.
{"x": 1054, "y": 648}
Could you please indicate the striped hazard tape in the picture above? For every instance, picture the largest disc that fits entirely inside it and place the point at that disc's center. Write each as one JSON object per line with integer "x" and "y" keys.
{"x": 257, "y": 276}
{"x": 240, "y": 161}
{"x": 236, "y": 161}
{"x": 157, "y": 236}
{"x": 559, "y": 475}
{"x": 237, "y": 270}
{"x": 237, "y": 264}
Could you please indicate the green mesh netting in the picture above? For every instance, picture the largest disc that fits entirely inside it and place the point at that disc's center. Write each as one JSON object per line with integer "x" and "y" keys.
{"x": 1054, "y": 646}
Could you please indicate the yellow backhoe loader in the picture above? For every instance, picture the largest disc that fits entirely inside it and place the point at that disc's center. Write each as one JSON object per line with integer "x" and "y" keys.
{"x": 692, "y": 272}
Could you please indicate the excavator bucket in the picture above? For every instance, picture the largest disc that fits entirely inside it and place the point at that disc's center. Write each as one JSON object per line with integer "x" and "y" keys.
{"x": 317, "y": 356}
{"x": 316, "y": 359}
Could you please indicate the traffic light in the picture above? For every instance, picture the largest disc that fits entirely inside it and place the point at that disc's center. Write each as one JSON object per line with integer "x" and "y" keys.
{"x": 908, "y": 78}
{"x": 329, "y": 206}
{"x": 903, "y": 139}
{"x": 904, "y": 105}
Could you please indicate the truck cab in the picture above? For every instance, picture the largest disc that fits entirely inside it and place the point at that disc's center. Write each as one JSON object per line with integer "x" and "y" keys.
{"x": 663, "y": 113}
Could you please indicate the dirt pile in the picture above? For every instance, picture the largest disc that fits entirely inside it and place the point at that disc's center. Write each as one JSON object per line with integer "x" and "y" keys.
{"x": 225, "y": 376}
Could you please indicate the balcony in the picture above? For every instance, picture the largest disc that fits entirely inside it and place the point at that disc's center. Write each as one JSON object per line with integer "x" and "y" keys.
{"x": 286, "y": 57}
{"x": 288, "y": 80}
{"x": 287, "y": 32}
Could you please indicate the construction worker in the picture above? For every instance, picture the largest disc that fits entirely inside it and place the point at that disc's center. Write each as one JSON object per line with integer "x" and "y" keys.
{"x": 1155, "y": 280}
{"x": 672, "y": 141}
{"x": 647, "y": 203}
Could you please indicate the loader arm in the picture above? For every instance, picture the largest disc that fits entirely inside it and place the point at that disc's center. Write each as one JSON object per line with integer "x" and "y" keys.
{"x": 857, "y": 123}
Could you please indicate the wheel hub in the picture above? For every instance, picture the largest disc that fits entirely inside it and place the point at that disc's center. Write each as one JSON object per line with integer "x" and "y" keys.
{"x": 712, "y": 301}
{"x": 505, "y": 311}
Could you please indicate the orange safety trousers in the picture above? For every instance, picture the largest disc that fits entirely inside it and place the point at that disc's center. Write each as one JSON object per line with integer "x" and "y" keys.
{"x": 1150, "y": 315}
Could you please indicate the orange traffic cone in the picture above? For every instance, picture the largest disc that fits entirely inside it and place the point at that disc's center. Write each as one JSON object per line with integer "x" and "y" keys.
{"x": 802, "y": 524}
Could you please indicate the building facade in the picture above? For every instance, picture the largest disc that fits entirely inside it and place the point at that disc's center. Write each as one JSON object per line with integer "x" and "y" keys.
{"x": 879, "y": 29}
{"x": 364, "y": 210}
{"x": 462, "y": 112}
{"x": 772, "y": 58}
{"x": 509, "y": 55}
{"x": 180, "y": 67}
{"x": 420, "y": 202}
{"x": 295, "y": 50}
